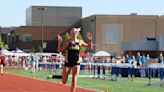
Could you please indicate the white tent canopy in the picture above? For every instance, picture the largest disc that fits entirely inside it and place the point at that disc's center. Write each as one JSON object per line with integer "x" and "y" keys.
{"x": 19, "y": 52}
{"x": 102, "y": 54}
{"x": 22, "y": 54}
{"x": 6, "y": 52}
{"x": 14, "y": 53}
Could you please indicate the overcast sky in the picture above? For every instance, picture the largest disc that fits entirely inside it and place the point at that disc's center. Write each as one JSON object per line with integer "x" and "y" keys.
{"x": 13, "y": 11}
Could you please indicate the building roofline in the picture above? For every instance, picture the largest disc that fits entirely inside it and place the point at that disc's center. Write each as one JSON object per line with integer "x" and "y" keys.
{"x": 57, "y": 6}
{"x": 125, "y": 15}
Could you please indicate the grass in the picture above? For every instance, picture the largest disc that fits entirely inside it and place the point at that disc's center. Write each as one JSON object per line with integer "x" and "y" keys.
{"x": 123, "y": 85}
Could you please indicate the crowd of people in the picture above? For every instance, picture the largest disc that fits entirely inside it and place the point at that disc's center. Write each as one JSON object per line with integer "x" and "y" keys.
{"x": 33, "y": 60}
{"x": 137, "y": 60}
{"x": 30, "y": 62}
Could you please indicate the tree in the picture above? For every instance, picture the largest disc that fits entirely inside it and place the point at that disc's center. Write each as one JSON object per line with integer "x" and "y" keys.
{"x": 82, "y": 49}
{"x": 67, "y": 36}
{"x": 33, "y": 50}
{"x": 2, "y": 45}
{"x": 40, "y": 49}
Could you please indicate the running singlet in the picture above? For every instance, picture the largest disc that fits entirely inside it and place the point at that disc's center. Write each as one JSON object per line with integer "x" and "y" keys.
{"x": 73, "y": 54}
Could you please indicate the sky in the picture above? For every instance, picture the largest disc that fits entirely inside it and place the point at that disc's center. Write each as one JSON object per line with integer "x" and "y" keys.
{"x": 13, "y": 12}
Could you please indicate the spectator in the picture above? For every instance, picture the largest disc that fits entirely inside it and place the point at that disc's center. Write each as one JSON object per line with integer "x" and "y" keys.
{"x": 123, "y": 59}
{"x": 138, "y": 59}
{"x": 160, "y": 58}
{"x": 143, "y": 59}
{"x": 133, "y": 61}
{"x": 127, "y": 59}
{"x": 147, "y": 57}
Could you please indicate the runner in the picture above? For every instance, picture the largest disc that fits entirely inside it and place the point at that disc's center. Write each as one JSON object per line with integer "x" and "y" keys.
{"x": 73, "y": 59}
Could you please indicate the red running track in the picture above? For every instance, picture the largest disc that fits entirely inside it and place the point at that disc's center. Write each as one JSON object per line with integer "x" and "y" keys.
{"x": 14, "y": 83}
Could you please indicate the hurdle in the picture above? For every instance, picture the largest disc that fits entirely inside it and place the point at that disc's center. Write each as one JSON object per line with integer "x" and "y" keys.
{"x": 161, "y": 72}
{"x": 114, "y": 70}
{"x": 117, "y": 70}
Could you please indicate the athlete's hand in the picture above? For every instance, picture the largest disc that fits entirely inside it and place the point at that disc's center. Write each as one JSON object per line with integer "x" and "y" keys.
{"x": 59, "y": 38}
{"x": 89, "y": 36}
{"x": 59, "y": 43}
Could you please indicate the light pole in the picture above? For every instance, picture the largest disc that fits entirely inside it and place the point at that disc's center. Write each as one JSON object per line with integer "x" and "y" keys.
{"x": 41, "y": 23}
{"x": 155, "y": 20}
{"x": 8, "y": 39}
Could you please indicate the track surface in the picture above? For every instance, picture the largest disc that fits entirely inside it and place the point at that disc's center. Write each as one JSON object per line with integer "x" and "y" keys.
{"x": 14, "y": 83}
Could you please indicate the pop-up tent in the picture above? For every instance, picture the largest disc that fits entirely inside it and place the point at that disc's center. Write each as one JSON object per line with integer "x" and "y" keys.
{"x": 19, "y": 52}
{"x": 101, "y": 54}
{"x": 6, "y": 52}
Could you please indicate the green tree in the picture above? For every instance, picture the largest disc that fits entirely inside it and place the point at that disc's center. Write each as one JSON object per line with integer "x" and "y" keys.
{"x": 40, "y": 49}
{"x": 67, "y": 36}
{"x": 80, "y": 37}
{"x": 33, "y": 50}
{"x": 2, "y": 45}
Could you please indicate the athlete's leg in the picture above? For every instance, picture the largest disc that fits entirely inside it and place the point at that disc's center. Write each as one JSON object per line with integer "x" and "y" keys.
{"x": 1, "y": 69}
{"x": 75, "y": 73}
{"x": 65, "y": 73}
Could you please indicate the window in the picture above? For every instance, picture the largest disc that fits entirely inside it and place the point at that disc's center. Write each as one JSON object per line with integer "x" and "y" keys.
{"x": 114, "y": 33}
{"x": 17, "y": 39}
{"x": 27, "y": 38}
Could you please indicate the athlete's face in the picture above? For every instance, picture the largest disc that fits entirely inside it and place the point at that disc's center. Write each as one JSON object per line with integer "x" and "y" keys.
{"x": 74, "y": 32}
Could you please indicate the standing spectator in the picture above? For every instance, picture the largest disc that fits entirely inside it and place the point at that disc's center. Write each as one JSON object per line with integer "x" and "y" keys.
{"x": 133, "y": 61}
{"x": 147, "y": 57}
{"x": 113, "y": 60}
{"x": 138, "y": 59}
{"x": 32, "y": 63}
{"x": 123, "y": 59}
{"x": 143, "y": 59}
{"x": 127, "y": 59}
{"x": 160, "y": 58}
